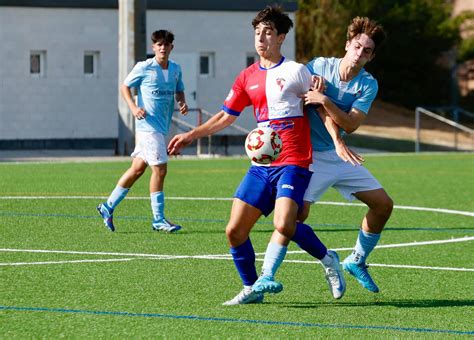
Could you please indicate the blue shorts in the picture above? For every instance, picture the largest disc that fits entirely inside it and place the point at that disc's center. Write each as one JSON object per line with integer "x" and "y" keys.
{"x": 262, "y": 185}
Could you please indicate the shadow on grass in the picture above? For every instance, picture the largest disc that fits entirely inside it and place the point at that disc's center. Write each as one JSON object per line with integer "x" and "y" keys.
{"x": 402, "y": 303}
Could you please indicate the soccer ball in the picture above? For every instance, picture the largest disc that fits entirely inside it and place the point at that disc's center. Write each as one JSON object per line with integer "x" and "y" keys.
{"x": 263, "y": 145}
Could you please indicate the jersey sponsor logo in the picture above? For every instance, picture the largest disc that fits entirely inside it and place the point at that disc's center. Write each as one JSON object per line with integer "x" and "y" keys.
{"x": 159, "y": 92}
{"x": 288, "y": 186}
{"x": 229, "y": 96}
{"x": 253, "y": 87}
{"x": 282, "y": 125}
{"x": 281, "y": 83}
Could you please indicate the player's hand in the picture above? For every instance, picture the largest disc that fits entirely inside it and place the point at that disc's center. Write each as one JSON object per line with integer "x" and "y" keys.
{"x": 183, "y": 108}
{"x": 313, "y": 97}
{"x": 138, "y": 112}
{"x": 178, "y": 142}
{"x": 347, "y": 155}
{"x": 319, "y": 84}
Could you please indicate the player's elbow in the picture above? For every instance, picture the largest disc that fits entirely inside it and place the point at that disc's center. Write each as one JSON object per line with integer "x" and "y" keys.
{"x": 349, "y": 129}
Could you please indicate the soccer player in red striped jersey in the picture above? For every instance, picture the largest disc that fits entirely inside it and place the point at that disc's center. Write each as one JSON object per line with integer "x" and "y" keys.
{"x": 274, "y": 86}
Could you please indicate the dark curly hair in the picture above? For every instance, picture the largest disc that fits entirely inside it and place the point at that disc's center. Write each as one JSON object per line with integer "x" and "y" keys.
{"x": 275, "y": 17}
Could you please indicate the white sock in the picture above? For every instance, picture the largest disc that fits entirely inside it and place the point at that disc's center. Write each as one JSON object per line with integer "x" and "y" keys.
{"x": 117, "y": 195}
{"x": 274, "y": 256}
{"x": 326, "y": 260}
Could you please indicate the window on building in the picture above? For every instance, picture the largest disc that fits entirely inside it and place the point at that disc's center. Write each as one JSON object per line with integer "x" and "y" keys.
{"x": 38, "y": 63}
{"x": 251, "y": 58}
{"x": 206, "y": 64}
{"x": 91, "y": 63}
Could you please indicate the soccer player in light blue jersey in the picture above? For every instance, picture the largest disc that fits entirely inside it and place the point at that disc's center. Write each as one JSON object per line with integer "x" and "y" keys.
{"x": 159, "y": 83}
{"x": 346, "y": 92}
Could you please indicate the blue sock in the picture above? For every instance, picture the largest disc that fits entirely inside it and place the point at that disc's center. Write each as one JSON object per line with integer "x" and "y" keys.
{"x": 274, "y": 256}
{"x": 365, "y": 243}
{"x": 307, "y": 240}
{"x": 158, "y": 205}
{"x": 244, "y": 260}
{"x": 117, "y": 195}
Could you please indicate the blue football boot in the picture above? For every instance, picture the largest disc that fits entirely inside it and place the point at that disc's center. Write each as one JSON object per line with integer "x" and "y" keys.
{"x": 360, "y": 272}
{"x": 107, "y": 214}
{"x": 266, "y": 284}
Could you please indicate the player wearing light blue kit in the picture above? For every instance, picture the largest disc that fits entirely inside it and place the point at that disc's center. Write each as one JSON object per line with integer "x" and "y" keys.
{"x": 344, "y": 92}
{"x": 159, "y": 83}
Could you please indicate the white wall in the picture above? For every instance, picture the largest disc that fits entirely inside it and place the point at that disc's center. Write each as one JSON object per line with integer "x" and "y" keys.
{"x": 64, "y": 103}
{"x": 67, "y": 104}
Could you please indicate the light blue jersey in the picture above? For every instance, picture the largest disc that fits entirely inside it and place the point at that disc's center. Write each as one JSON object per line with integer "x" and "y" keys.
{"x": 358, "y": 93}
{"x": 155, "y": 94}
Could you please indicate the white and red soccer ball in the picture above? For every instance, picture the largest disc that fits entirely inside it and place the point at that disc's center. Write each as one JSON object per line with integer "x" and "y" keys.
{"x": 263, "y": 145}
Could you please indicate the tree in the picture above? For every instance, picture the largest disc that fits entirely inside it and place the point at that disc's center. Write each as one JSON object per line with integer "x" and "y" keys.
{"x": 412, "y": 66}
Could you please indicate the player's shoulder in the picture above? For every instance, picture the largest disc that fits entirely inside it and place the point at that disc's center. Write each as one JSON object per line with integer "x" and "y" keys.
{"x": 324, "y": 61}
{"x": 368, "y": 78}
{"x": 174, "y": 63}
{"x": 295, "y": 66}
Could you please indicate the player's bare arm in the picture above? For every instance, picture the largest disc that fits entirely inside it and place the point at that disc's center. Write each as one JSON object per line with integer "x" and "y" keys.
{"x": 137, "y": 112}
{"x": 181, "y": 100}
{"x": 348, "y": 121}
{"x": 217, "y": 123}
{"x": 342, "y": 150}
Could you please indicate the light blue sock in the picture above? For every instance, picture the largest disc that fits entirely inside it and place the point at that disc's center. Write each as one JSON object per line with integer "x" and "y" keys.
{"x": 366, "y": 242}
{"x": 158, "y": 205}
{"x": 117, "y": 195}
{"x": 273, "y": 258}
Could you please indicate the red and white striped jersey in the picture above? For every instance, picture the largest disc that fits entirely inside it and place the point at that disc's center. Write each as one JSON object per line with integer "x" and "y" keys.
{"x": 275, "y": 96}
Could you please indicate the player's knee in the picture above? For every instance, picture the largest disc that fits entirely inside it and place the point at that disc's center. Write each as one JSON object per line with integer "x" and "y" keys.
{"x": 137, "y": 171}
{"x": 385, "y": 207}
{"x": 234, "y": 235}
{"x": 284, "y": 228}
{"x": 303, "y": 213}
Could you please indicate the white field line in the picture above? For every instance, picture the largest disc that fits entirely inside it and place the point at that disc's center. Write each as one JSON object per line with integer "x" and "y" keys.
{"x": 411, "y": 244}
{"x": 228, "y": 257}
{"x": 62, "y": 262}
{"x": 391, "y": 266}
{"x": 401, "y": 207}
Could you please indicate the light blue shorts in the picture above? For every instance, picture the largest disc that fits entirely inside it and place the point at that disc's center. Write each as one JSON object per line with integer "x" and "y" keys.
{"x": 331, "y": 171}
{"x": 151, "y": 147}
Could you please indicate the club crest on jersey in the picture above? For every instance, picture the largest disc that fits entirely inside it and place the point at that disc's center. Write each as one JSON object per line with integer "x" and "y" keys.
{"x": 281, "y": 83}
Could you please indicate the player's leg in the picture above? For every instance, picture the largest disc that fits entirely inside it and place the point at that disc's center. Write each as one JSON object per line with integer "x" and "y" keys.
{"x": 306, "y": 239}
{"x": 380, "y": 208}
{"x": 121, "y": 190}
{"x": 242, "y": 219}
{"x": 252, "y": 198}
{"x": 157, "y": 198}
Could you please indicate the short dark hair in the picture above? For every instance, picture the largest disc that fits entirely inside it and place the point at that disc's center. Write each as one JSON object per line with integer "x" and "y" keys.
{"x": 275, "y": 17}
{"x": 162, "y": 35}
{"x": 366, "y": 26}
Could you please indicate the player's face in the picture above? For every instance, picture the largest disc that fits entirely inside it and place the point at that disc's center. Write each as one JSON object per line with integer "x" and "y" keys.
{"x": 162, "y": 50}
{"x": 267, "y": 41}
{"x": 360, "y": 50}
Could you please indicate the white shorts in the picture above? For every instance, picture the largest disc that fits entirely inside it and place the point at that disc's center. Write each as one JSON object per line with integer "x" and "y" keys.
{"x": 151, "y": 147}
{"x": 331, "y": 171}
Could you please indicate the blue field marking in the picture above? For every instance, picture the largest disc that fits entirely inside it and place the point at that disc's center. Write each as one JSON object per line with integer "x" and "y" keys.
{"x": 249, "y": 321}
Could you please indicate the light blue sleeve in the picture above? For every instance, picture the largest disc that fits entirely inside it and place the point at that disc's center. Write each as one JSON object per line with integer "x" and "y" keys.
{"x": 364, "y": 102}
{"x": 135, "y": 77}
{"x": 180, "y": 84}
{"x": 315, "y": 66}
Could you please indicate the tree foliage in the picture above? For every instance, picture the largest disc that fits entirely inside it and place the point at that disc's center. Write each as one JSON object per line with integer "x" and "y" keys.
{"x": 413, "y": 66}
